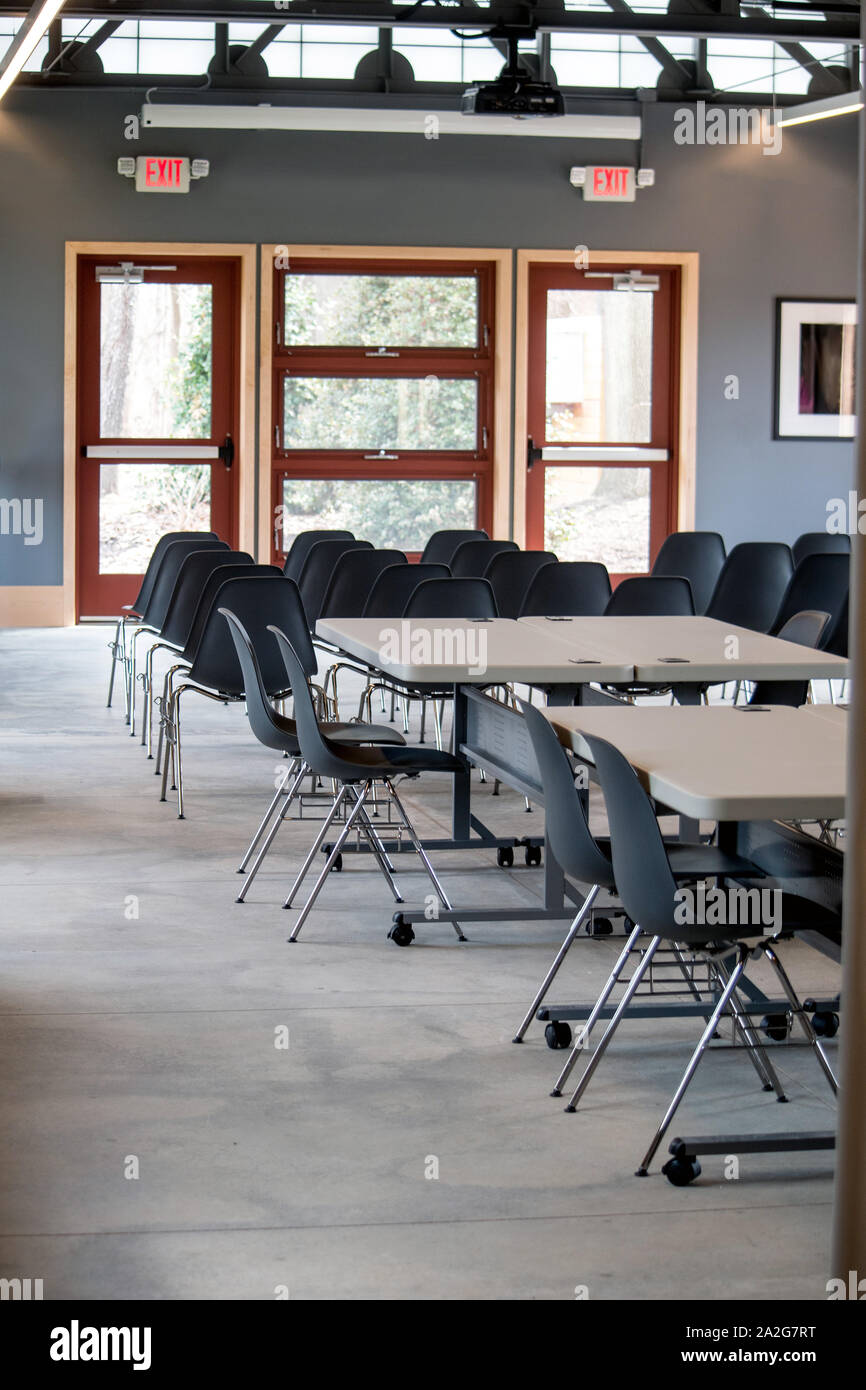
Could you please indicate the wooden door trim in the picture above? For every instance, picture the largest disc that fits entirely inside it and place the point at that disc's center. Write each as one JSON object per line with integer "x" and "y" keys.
{"x": 502, "y": 358}
{"x": 246, "y": 256}
{"x": 688, "y": 263}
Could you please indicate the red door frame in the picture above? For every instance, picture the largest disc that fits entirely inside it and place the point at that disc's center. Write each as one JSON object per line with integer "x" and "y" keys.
{"x": 101, "y": 595}
{"x": 478, "y": 362}
{"x": 664, "y": 475}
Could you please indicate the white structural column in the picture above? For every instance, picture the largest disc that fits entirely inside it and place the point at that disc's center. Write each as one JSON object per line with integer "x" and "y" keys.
{"x": 849, "y": 1213}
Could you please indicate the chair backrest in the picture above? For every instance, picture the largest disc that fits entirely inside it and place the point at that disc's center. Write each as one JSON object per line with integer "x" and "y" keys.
{"x": 820, "y": 543}
{"x": 318, "y": 752}
{"x": 394, "y": 587}
{"x": 568, "y": 589}
{"x": 807, "y": 629}
{"x": 352, "y": 578}
{"x": 820, "y": 582}
{"x": 143, "y": 596}
{"x": 698, "y": 556}
{"x": 452, "y": 598}
{"x": 173, "y": 557}
{"x": 510, "y": 574}
{"x": 256, "y": 602}
{"x": 212, "y": 586}
{"x": 191, "y": 579}
{"x": 651, "y": 596}
{"x": 266, "y": 726}
{"x": 836, "y": 635}
{"x": 750, "y": 587}
{"x": 641, "y": 869}
{"x": 317, "y": 571}
{"x": 470, "y": 560}
{"x": 303, "y": 544}
{"x": 565, "y": 823}
{"x": 441, "y": 546}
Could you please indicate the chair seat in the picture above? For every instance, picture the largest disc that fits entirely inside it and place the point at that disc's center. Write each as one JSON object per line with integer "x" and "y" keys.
{"x": 707, "y": 861}
{"x": 372, "y": 760}
{"x": 345, "y": 733}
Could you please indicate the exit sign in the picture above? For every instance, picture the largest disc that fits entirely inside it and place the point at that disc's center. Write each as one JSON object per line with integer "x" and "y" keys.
{"x": 606, "y": 183}
{"x": 161, "y": 174}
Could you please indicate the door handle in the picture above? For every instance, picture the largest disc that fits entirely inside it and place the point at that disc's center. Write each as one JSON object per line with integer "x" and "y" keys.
{"x": 532, "y": 455}
{"x": 227, "y": 452}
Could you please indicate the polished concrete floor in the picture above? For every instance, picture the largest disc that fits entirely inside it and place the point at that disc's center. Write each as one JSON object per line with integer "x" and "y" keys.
{"x": 157, "y": 1143}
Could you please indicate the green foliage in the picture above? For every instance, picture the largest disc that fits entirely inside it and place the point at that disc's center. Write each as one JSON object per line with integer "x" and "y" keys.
{"x": 395, "y": 514}
{"x": 191, "y": 386}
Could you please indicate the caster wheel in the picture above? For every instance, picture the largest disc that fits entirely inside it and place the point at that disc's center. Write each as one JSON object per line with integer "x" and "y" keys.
{"x": 401, "y": 934}
{"x": 532, "y": 856}
{"x": 601, "y": 926}
{"x": 775, "y": 1026}
{"x": 337, "y": 866}
{"x": 557, "y": 1035}
{"x": 505, "y": 857}
{"x": 826, "y": 1025}
{"x": 682, "y": 1170}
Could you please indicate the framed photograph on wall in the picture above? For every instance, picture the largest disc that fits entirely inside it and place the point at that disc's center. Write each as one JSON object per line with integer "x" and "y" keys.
{"x": 815, "y": 368}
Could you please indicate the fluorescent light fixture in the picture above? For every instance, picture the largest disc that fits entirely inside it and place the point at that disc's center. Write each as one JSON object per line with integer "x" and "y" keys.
{"x": 843, "y": 104}
{"x": 25, "y": 41}
{"x": 350, "y": 118}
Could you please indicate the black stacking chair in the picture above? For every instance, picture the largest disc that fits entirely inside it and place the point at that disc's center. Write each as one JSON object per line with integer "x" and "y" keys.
{"x": 353, "y": 576}
{"x": 186, "y": 656}
{"x": 352, "y": 580}
{"x": 357, "y": 771}
{"x": 820, "y": 543}
{"x": 820, "y": 582}
{"x": 586, "y": 859}
{"x": 510, "y": 574}
{"x": 807, "y": 629}
{"x": 318, "y": 569}
{"x": 279, "y": 733}
{"x": 647, "y": 889}
{"x": 471, "y": 559}
{"x": 750, "y": 587}
{"x": 568, "y": 589}
{"x": 303, "y": 544}
{"x": 157, "y": 605}
{"x": 180, "y": 614}
{"x": 213, "y": 670}
{"x": 133, "y": 612}
{"x": 698, "y": 556}
{"x": 441, "y": 546}
{"x": 836, "y": 637}
{"x": 395, "y": 586}
{"x": 452, "y": 598}
{"x": 646, "y": 596}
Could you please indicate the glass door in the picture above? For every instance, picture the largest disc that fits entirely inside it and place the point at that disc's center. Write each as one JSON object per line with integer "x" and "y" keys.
{"x": 157, "y": 407}
{"x": 601, "y": 452}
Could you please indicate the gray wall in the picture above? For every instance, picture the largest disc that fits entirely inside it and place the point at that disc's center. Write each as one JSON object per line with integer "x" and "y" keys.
{"x": 765, "y": 226}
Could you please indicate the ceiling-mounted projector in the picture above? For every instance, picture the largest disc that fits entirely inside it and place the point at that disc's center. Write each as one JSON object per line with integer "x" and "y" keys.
{"x": 514, "y": 93}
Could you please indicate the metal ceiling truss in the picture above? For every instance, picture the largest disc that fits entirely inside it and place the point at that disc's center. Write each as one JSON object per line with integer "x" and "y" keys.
{"x": 242, "y": 66}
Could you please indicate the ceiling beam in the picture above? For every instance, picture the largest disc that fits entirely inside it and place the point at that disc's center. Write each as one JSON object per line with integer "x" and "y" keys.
{"x": 838, "y": 24}
{"x": 679, "y": 75}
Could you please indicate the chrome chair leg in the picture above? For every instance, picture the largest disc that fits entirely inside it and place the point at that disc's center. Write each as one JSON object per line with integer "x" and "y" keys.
{"x": 755, "y": 1050}
{"x": 713, "y": 1023}
{"x": 317, "y": 844}
{"x": 271, "y": 835}
{"x": 800, "y": 1014}
{"x": 378, "y": 849}
{"x": 557, "y": 962}
{"x": 287, "y": 772}
{"x": 605, "y": 1039}
{"x": 422, "y": 855}
{"x": 608, "y": 988}
{"x": 329, "y": 863}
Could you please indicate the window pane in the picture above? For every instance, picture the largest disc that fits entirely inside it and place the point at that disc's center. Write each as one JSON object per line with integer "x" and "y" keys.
{"x": 394, "y": 513}
{"x": 379, "y": 413}
{"x": 599, "y": 367}
{"x": 139, "y": 502}
{"x": 381, "y": 310}
{"x": 599, "y": 514}
{"x": 155, "y": 361}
